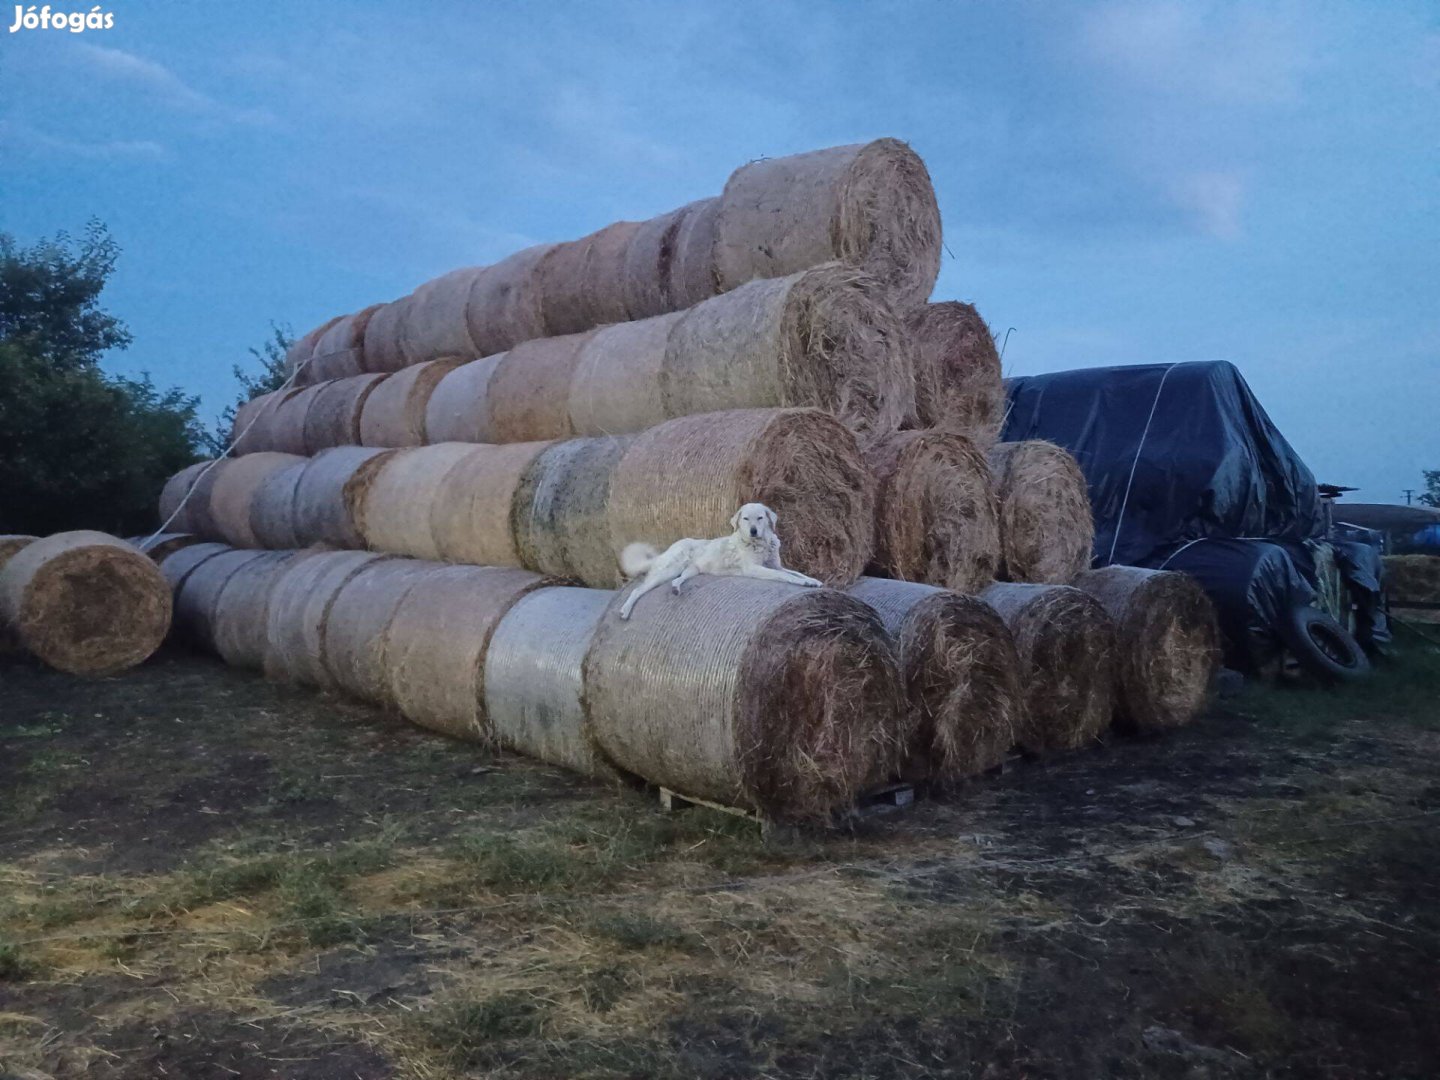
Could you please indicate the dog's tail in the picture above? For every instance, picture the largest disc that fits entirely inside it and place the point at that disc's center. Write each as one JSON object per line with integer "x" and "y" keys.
{"x": 637, "y": 558}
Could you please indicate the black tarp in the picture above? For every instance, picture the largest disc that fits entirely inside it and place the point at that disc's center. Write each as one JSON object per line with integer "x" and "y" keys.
{"x": 1172, "y": 452}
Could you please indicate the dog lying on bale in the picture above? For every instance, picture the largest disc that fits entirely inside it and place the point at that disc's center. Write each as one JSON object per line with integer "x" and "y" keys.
{"x": 752, "y": 550}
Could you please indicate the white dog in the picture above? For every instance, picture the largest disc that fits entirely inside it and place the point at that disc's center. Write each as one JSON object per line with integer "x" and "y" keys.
{"x": 752, "y": 550}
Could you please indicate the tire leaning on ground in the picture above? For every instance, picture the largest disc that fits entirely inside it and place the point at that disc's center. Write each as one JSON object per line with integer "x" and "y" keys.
{"x": 1322, "y": 646}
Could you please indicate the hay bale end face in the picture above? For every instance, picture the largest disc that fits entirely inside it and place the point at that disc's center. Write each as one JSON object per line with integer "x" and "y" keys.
{"x": 937, "y": 519}
{"x": 1046, "y": 527}
{"x": 750, "y": 693}
{"x": 958, "y": 383}
{"x": 961, "y": 674}
{"x": 1066, "y": 645}
{"x": 85, "y": 603}
{"x": 1167, "y": 644}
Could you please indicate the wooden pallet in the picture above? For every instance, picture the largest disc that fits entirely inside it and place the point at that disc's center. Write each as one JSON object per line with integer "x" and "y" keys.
{"x": 884, "y": 799}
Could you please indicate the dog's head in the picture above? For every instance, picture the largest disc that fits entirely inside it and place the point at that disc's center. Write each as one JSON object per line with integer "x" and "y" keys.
{"x": 754, "y": 520}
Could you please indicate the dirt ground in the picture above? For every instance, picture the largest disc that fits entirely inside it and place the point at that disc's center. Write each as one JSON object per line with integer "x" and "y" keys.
{"x": 204, "y": 875}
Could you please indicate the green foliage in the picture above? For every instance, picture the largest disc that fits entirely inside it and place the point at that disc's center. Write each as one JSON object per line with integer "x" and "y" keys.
{"x": 266, "y": 374}
{"x": 1431, "y": 496}
{"x": 78, "y": 448}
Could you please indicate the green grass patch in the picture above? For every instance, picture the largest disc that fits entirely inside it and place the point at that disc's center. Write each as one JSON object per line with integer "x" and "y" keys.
{"x": 14, "y": 965}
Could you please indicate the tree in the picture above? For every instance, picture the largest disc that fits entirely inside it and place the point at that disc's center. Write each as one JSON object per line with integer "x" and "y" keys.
{"x": 78, "y": 448}
{"x": 270, "y": 376}
{"x": 1431, "y": 496}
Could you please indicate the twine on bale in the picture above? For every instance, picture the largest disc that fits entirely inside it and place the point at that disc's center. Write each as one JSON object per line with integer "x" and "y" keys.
{"x": 436, "y": 641}
{"x": 961, "y": 674}
{"x": 937, "y": 519}
{"x": 1167, "y": 644}
{"x": 459, "y": 406}
{"x": 300, "y": 601}
{"x": 391, "y": 506}
{"x": 334, "y": 416}
{"x": 393, "y": 414}
{"x": 1066, "y": 644}
{"x": 753, "y": 694}
{"x": 958, "y": 383}
{"x": 559, "y": 512}
{"x": 534, "y": 678}
{"x": 870, "y": 205}
{"x": 687, "y": 477}
{"x": 1046, "y": 527}
{"x": 471, "y": 511}
{"x": 236, "y": 483}
{"x": 240, "y": 619}
{"x": 357, "y": 625}
{"x": 330, "y": 484}
{"x": 84, "y": 602}
{"x": 173, "y": 496}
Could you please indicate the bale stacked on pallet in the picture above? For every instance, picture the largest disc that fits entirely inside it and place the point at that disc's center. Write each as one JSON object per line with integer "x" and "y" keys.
{"x": 1066, "y": 644}
{"x": 1046, "y": 526}
{"x": 936, "y": 513}
{"x": 958, "y": 383}
{"x": 1168, "y": 644}
{"x": 961, "y": 674}
{"x": 84, "y": 602}
{"x": 753, "y": 694}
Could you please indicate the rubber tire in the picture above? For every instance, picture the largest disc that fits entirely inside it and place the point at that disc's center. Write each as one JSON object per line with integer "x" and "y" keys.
{"x": 1323, "y": 647}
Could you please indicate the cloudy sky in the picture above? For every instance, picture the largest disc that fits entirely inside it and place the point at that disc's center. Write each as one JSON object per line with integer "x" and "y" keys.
{"x": 1120, "y": 182}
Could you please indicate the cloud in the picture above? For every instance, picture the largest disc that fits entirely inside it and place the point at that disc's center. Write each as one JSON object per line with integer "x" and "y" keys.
{"x": 1214, "y": 200}
{"x": 20, "y": 135}
{"x": 163, "y": 84}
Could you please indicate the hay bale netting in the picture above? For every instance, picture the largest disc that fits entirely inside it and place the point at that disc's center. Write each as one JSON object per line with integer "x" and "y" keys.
{"x": 559, "y": 513}
{"x": 459, "y": 406}
{"x": 239, "y": 624}
{"x": 357, "y": 626}
{"x": 436, "y": 641}
{"x": 198, "y": 596}
{"x": 175, "y": 509}
{"x": 505, "y": 305}
{"x": 345, "y": 364}
{"x": 393, "y": 414}
{"x": 304, "y": 348}
{"x": 435, "y": 324}
{"x": 234, "y": 494}
{"x": 1167, "y": 644}
{"x": 345, "y": 335}
{"x": 471, "y": 514}
{"x": 534, "y": 678}
{"x": 754, "y": 694}
{"x": 1066, "y": 644}
{"x": 961, "y": 673}
{"x": 958, "y": 384}
{"x": 334, "y": 416}
{"x": 300, "y": 599}
{"x": 272, "y": 510}
{"x": 1046, "y": 527}
{"x": 84, "y": 602}
{"x": 330, "y": 484}
{"x": 687, "y": 477}
{"x": 870, "y": 205}
{"x": 391, "y": 507}
{"x": 254, "y": 426}
{"x": 937, "y": 519}
{"x": 178, "y": 565}
{"x": 528, "y": 395}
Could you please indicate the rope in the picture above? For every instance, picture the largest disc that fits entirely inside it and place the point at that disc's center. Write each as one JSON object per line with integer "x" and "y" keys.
{"x": 1135, "y": 465}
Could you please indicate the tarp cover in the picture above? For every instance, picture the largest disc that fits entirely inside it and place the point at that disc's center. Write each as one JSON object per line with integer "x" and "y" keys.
{"x": 1206, "y": 459}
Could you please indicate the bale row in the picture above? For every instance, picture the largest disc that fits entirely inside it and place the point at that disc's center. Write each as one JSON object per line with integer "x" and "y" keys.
{"x": 868, "y": 206}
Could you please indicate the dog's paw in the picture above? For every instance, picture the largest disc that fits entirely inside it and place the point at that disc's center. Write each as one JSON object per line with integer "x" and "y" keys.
{"x": 675, "y": 589}
{"x": 811, "y": 583}
{"x": 624, "y": 614}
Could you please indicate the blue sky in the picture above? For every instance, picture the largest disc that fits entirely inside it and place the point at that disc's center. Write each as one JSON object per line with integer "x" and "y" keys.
{"x": 1120, "y": 182}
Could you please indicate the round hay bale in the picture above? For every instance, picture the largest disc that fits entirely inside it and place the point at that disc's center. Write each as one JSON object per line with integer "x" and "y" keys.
{"x": 300, "y": 599}
{"x": 234, "y": 493}
{"x": 357, "y": 625}
{"x": 198, "y": 597}
{"x": 582, "y": 283}
{"x": 253, "y": 427}
{"x": 754, "y": 694}
{"x": 1066, "y": 644}
{"x": 534, "y": 678}
{"x": 173, "y": 497}
{"x": 1167, "y": 644}
{"x": 618, "y": 378}
{"x": 825, "y": 337}
{"x": 334, "y": 416}
{"x": 346, "y": 336}
{"x": 505, "y": 304}
{"x": 470, "y": 514}
{"x": 239, "y": 625}
{"x": 687, "y": 477}
{"x": 329, "y": 487}
{"x": 84, "y": 602}
{"x": 9, "y": 545}
{"x": 284, "y": 431}
{"x": 870, "y": 205}
{"x": 272, "y": 510}
{"x": 937, "y": 519}
{"x": 646, "y": 272}
{"x": 693, "y": 274}
{"x": 559, "y": 511}
{"x": 383, "y": 350}
{"x": 345, "y": 364}
{"x": 435, "y": 645}
{"x": 961, "y": 674}
{"x": 459, "y": 406}
{"x": 391, "y": 509}
{"x": 529, "y": 392}
{"x": 1046, "y": 527}
{"x": 394, "y": 412}
{"x": 177, "y": 566}
{"x": 303, "y": 349}
{"x": 958, "y": 384}
{"x": 198, "y": 516}
{"x": 435, "y": 325}
{"x": 159, "y": 547}
{"x": 341, "y": 335}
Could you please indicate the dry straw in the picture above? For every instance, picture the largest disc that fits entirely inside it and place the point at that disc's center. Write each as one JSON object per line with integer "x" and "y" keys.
{"x": 534, "y": 678}
{"x": 582, "y": 283}
{"x": 687, "y": 477}
{"x": 1046, "y": 528}
{"x": 436, "y": 641}
{"x": 328, "y": 487}
{"x": 961, "y": 674}
{"x": 335, "y": 414}
{"x": 357, "y": 624}
{"x": 393, "y": 414}
{"x": 870, "y": 205}
{"x": 937, "y": 519}
{"x": 528, "y": 396}
{"x": 234, "y": 491}
{"x": 1066, "y": 643}
{"x": 754, "y": 694}
{"x": 84, "y": 602}
{"x": 296, "y": 617}
{"x": 240, "y": 618}
{"x": 648, "y": 260}
{"x": 958, "y": 384}
{"x": 1167, "y": 644}
{"x": 619, "y": 378}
